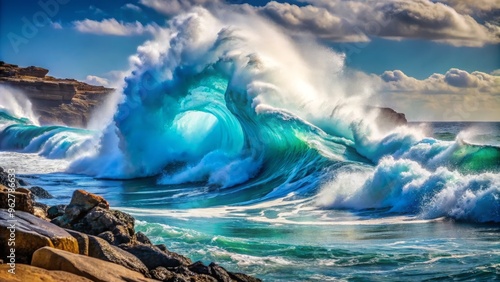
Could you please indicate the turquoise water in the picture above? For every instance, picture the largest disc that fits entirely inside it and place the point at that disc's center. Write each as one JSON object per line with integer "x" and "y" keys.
{"x": 315, "y": 245}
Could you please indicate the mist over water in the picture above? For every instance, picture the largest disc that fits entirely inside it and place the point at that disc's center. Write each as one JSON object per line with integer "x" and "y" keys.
{"x": 224, "y": 117}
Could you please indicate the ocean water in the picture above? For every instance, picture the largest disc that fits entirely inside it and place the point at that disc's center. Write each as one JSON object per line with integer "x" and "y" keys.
{"x": 263, "y": 157}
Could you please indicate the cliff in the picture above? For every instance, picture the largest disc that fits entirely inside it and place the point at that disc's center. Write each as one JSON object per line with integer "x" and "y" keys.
{"x": 56, "y": 101}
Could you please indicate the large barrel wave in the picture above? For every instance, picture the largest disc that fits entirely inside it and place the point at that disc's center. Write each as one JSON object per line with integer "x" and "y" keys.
{"x": 236, "y": 105}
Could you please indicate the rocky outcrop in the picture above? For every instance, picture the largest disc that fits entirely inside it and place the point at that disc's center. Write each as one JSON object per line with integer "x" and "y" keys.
{"x": 41, "y": 193}
{"x": 88, "y": 267}
{"x": 24, "y": 272}
{"x": 57, "y": 101}
{"x": 31, "y": 233}
{"x": 19, "y": 199}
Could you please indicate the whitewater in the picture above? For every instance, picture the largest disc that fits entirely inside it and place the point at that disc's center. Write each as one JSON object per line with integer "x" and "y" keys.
{"x": 232, "y": 142}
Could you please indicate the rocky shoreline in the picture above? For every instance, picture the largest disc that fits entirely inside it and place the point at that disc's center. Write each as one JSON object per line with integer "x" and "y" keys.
{"x": 55, "y": 100}
{"x": 86, "y": 240}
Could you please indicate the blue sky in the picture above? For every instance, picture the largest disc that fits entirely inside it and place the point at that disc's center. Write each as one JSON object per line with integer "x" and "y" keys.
{"x": 78, "y": 39}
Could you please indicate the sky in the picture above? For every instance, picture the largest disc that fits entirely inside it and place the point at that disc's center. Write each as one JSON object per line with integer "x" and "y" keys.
{"x": 433, "y": 60}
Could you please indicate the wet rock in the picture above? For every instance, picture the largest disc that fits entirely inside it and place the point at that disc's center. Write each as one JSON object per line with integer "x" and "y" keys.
{"x": 142, "y": 238}
{"x": 219, "y": 273}
{"x": 153, "y": 257}
{"x": 88, "y": 267}
{"x": 200, "y": 268}
{"x": 32, "y": 233}
{"x": 40, "y": 192}
{"x": 55, "y": 211}
{"x": 240, "y": 277}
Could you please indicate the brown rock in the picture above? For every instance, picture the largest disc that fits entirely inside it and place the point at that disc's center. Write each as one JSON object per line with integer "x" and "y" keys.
{"x": 91, "y": 268}
{"x": 81, "y": 203}
{"x": 30, "y": 273}
{"x": 99, "y": 248}
{"x": 31, "y": 233}
{"x": 19, "y": 200}
{"x": 83, "y": 241}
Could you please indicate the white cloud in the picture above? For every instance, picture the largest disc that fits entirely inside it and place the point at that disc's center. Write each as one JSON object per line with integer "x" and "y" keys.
{"x": 113, "y": 27}
{"x": 56, "y": 25}
{"x": 394, "y": 19}
{"x": 454, "y": 81}
{"x": 455, "y": 95}
{"x": 173, "y": 7}
{"x": 95, "y": 80}
{"x": 132, "y": 7}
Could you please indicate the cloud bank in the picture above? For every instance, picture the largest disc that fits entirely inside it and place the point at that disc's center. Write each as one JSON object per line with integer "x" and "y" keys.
{"x": 113, "y": 27}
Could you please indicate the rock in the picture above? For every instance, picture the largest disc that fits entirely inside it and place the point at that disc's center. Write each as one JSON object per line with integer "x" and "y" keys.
{"x": 81, "y": 203}
{"x": 40, "y": 192}
{"x": 99, "y": 248}
{"x": 86, "y": 201}
{"x": 31, "y": 234}
{"x": 202, "y": 278}
{"x": 18, "y": 199}
{"x": 99, "y": 220}
{"x": 108, "y": 236}
{"x": 162, "y": 247}
{"x": 83, "y": 241}
{"x": 33, "y": 71}
{"x": 163, "y": 274}
{"x": 153, "y": 257}
{"x": 387, "y": 118}
{"x": 56, "y": 101}
{"x": 219, "y": 273}
{"x": 240, "y": 277}
{"x": 30, "y": 273}
{"x": 22, "y": 182}
{"x": 6, "y": 181}
{"x": 200, "y": 268}
{"x": 88, "y": 267}
{"x": 56, "y": 211}
{"x": 40, "y": 210}
{"x": 142, "y": 238}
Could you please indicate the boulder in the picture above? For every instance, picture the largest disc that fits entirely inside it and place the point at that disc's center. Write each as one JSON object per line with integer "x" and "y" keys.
{"x": 240, "y": 277}
{"x": 40, "y": 192}
{"x": 219, "y": 273}
{"x": 200, "y": 268}
{"x": 5, "y": 180}
{"x": 142, "y": 238}
{"x": 24, "y": 272}
{"x": 163, "y": 274}
{"x": 203, "y": 278}
{"x": 31, "y": 233}
{"x": 83, "y": 241}
{"x": 81, "y": 203}
{"x": 56, "y": 211}
{"x": 99, "y": 248}
{"x": 100, "y": 220}
{"x": 153, "y": 257}
{"x": 88, "y": 267}
{"x": 19, "y": 199}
